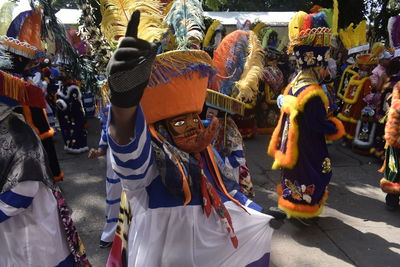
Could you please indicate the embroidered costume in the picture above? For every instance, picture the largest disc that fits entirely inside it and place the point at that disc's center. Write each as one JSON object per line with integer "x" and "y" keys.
{"x": 358, "y": 88}
{"x": 36, "y": 228}
{"x": 390, "y": 183}
{"x": 24, "y": 47}
{"x": 298, "y": 142}
{"x": 71, "y": 115}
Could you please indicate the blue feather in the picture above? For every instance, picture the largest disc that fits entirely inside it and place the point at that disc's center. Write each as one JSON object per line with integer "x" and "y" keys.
{"x": 16, "y": 24}
{"x": 319, "y": 20}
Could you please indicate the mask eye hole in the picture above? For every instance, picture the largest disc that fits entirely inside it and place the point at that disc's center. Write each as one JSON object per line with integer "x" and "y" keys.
{"x": 179, "y": 123}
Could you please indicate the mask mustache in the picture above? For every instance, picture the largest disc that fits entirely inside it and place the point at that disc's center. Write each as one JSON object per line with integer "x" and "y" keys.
{"x": 195, "y": 141}
{"x": 191, "y": 132}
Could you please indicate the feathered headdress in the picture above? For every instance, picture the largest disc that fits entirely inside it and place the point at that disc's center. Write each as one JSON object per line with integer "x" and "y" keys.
{"x": 239, "y": 60}
{"x": 264, "y": 32}
{"x": 6, "y": 16}
{"x": 355, "y": 39}
{"x": 377, "y": 49}
{"x": 247, "y": 86}
{"x": 210, "y": 32}
{"x": 116, "y": 15}
{"x": 310, "y": 38}
{"x": 186, "y": 19}
{"x": 229, "y": 59}
{"x": 23, "y": 35}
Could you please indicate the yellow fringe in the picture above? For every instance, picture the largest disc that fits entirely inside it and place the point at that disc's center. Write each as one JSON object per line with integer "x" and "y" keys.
{"x": 14, "y": 87}
{"x": 210, "y": 32}
{"x": 176, "y": 62}
{"x": 252, "y": 73}
{"x": 225, "y": 102}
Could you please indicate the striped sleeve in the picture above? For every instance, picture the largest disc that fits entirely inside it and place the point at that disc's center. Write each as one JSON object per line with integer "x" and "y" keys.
{"x": 16, "y": 200}
{"x": 134, "y": 162}
{"x": 103, "y": 140}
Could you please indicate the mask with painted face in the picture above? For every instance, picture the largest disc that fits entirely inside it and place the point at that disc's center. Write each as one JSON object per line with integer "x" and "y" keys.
{"x": 188, "y": 135}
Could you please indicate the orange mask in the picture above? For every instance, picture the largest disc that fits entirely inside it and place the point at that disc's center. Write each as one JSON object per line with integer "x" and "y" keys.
{"x": 188, "y": 135}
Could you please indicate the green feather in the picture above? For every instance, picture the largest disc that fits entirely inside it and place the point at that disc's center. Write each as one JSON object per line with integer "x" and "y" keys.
{"x": 6, "y": 16}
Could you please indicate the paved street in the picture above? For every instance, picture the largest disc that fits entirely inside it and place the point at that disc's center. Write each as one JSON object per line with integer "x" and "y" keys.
{"x": 354, "y": 229}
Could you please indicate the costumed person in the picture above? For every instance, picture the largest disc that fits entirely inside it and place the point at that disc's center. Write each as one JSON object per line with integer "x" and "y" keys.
{"x": 390, "y": 183}
{"x": 24, "y": 44}
{"x": 71, "y": 116}
{"x": 368, "y": 128}
{"x": 214, "y": 35}
{"x": 237, "y": 85}
{"x": 379, "y": 75}
{"x": 113, "y": 186}
{"x": 36, "y": 228}
{"x": 267, "y": 36}
{"x": 271, "y": 85}
{"x": 357, "y": 89}
{"x": 393, "y": 71}
{"x": 298, "y": 143}
{"x": 355, "y": 41}
{"x": 228, "y": 141}
{"x": 182, "y": 212}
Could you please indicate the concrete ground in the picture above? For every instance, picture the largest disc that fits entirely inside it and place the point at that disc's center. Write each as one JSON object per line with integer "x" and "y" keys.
{"x": 353, "y": 230}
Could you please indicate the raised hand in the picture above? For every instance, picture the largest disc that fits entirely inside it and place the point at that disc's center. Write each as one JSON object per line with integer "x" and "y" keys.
{"x": 92, "y": 153}
{"x": 129, "y": 68}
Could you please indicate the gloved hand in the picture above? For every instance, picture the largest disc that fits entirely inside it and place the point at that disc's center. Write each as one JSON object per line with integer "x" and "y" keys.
{"x": 129, "y": 69}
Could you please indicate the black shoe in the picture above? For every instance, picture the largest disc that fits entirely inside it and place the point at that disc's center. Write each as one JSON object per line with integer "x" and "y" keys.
{"x": 104, "y": 244}
{"x": 276, "y": 212}
{"x": 392, "y": 202}
{"x": 391, "y": 208}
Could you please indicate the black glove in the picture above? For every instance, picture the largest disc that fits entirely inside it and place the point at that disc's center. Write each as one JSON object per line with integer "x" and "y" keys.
{"x": 129, "y": 69}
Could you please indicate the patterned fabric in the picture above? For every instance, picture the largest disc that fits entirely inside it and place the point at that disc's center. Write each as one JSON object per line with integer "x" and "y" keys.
{"x": 72, "y": 120}
{"x": 162, "y": 226}
{"x": 229, "y": 145}
{"x": 73, "y": 240}
{"x": 311, "y": 56}
{"x": 211, "y": 199}
{"x": 22, "y": 157}
{"x": 119, "y": 251}
{"x": 304, "y": 185}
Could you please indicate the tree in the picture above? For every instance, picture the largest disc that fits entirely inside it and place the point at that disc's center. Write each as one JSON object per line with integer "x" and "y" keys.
{"x": 379, "y": 12}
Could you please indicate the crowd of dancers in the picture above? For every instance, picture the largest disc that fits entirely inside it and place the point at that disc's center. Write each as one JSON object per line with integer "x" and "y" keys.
{"x": 179, "y": 100}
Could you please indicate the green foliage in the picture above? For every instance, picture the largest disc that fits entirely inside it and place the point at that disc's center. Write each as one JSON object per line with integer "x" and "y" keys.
{"x": 215, "y": 5}
{"x": 378, "y": 14}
